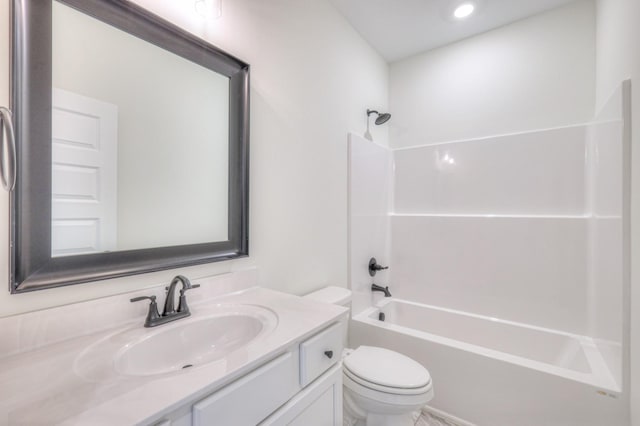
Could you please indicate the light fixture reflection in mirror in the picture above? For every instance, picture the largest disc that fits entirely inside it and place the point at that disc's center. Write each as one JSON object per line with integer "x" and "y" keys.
{"x": 208, "y": 9}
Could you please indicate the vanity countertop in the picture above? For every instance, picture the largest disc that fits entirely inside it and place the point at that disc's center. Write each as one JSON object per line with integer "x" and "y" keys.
{"x": 42, "y": 386}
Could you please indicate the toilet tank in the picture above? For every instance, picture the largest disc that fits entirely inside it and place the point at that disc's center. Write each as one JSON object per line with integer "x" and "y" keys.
{"x": 336, "y": 296}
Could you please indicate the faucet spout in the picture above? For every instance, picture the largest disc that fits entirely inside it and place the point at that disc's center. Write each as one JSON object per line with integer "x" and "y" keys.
{"x": 385, "y": 290}
{"x": 169, "y": 303}
{"x": 170, "y": 313}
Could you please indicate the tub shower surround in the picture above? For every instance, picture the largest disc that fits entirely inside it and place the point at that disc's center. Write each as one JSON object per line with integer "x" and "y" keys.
{"x": 508, "y": 267}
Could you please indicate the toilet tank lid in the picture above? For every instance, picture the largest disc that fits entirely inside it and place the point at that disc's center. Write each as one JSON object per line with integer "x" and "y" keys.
{"x": 331, "y": 294}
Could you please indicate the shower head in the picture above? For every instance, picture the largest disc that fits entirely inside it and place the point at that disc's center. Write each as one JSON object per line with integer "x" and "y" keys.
{"x": 382, "y": 117}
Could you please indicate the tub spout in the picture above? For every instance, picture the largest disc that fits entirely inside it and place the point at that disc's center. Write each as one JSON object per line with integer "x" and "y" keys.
{"x": 385, "y": 290}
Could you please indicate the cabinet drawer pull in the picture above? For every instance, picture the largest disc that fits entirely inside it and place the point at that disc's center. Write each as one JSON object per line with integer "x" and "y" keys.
{"x": 329, "y": 354}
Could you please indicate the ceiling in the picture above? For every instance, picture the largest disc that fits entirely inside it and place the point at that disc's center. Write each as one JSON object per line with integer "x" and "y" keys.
{"x": 401, "y": 28}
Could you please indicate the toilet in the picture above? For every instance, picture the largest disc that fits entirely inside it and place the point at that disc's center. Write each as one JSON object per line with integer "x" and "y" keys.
{"x": 381, "y": 387}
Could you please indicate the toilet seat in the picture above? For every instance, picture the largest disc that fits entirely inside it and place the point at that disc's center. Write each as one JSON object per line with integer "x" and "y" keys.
{"x": 372, "y": 400}
{"x": 382, "y": 370}
{"x": 358, "y": 381}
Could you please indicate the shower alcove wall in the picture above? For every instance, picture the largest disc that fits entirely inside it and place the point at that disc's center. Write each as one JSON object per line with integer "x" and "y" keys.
{"x": 528, "y": 228}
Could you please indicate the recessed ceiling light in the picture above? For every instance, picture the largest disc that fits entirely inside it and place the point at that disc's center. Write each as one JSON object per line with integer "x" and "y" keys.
{"x": 464, "y": 10}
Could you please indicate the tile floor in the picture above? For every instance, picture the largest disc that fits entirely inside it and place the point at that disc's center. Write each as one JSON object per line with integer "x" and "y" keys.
{"x": 429, "y": 419}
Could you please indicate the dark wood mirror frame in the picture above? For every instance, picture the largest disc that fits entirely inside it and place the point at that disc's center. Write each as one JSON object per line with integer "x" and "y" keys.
{"x": 31, "y": 265}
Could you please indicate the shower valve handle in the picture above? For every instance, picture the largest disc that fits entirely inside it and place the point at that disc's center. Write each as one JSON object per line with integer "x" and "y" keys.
{"x": 375, "y": 267}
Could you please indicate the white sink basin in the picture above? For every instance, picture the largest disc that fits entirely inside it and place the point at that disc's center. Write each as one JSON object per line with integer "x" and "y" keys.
{"x": 190, "y": 342}
{"x": 187, "y": 345}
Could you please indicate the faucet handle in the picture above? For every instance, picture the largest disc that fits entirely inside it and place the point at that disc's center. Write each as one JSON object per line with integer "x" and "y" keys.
{"x": 374, "y": 266}
{"x": 152, "y": 314}
{"x": 184, "y": 289}
{"x": 138, "y": 299}
{"x": 182, "y": 304}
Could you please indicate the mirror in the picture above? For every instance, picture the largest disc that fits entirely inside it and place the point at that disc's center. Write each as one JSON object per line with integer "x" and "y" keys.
{"x": 132, "y": 145}
{"x": 132, "y": 168}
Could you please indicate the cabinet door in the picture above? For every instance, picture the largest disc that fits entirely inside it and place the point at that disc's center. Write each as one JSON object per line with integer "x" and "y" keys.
{"x": 319, "y": 404}
{"x": 250, "y": 399}
{"x": 320, "y": 412}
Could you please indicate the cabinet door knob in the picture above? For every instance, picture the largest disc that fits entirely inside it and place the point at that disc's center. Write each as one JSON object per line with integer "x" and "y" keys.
{"x": 329, "y": 354}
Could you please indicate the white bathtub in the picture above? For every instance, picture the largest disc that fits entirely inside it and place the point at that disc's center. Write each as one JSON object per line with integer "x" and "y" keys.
{"x": 494, "y": 372}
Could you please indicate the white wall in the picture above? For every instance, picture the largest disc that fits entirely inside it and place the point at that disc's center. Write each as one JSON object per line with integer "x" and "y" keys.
{"x": 533, "y": 74}
{"x": 614, "y": 44}
{"x": 618, "y": 44}
{"x": 312, "y": 79}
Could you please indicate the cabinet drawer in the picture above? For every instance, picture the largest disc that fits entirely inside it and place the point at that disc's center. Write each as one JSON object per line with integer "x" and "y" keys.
{"x": 320, "y": 352}
{"x": 252, "y": 398}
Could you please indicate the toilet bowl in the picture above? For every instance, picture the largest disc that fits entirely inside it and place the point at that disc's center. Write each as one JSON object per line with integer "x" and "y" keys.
{"x": 380, "y": 387}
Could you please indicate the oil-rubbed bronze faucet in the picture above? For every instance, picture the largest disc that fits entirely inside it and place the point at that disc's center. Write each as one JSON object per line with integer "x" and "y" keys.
{"x": 170, "y": 313}
{"x": 375, "y": 267}
{"x": 385, "y": 290}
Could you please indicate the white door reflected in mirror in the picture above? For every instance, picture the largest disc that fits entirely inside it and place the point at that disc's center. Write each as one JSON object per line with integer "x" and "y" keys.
{"x": 84, "y": 175}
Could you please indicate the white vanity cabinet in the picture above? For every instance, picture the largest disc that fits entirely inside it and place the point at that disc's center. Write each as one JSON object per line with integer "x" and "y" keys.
{"x": 320, "y": 401}
{"x": 302, "y": 386}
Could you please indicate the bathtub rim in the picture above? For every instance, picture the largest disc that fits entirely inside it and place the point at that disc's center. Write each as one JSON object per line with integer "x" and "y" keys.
{"x": 600, "y": 376}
